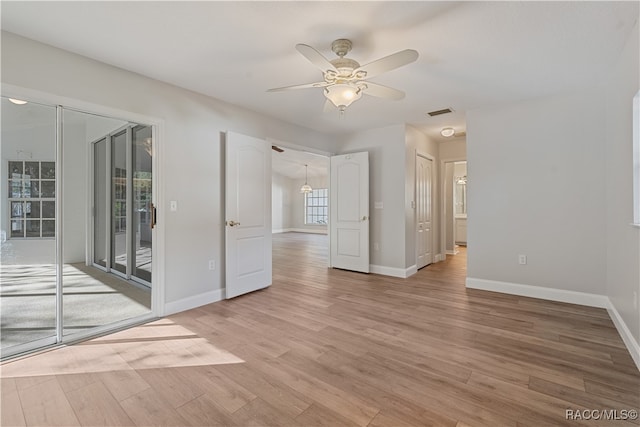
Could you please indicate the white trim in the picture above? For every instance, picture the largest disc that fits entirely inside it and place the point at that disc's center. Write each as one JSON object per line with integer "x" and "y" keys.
{"x": 439, "y": 257}
{"x": 392, "y": 271}
{"x": 561, "y": 295}
{"x": 552, "y": 294}
{"x": 453, "y": 252}
{"x": 300, "y": 230}
{"x": 280, "y": 230}
{"x": 309, "y": 230}
{"x": 633, "y": 224}
{"x": 193, "y": 301}
{"x": 625, "y": 333}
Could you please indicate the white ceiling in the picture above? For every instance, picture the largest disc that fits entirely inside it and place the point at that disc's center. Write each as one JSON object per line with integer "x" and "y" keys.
{"x": 291, "y": 163}
{"x": 472, "y": 54}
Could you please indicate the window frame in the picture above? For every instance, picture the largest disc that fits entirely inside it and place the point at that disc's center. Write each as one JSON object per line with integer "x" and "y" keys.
{"x": 25, "y": 202}
{"x": 323, "y": 203}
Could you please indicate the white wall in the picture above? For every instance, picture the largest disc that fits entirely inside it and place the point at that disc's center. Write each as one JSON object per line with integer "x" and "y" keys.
{"x": 386, "y": 147}
{"x": 75, "y": 149}
{"x": 455, "y": 149}
{"x": 447, "y": 200}
{"x": 281, "y": 196}
{"x": 191, "y": 153}
{"x": 622, "y": 240}
{"x": 536, "y": 187}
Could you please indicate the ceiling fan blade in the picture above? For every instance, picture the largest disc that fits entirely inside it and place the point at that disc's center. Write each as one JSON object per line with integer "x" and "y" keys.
{"x": 380, "y": 91}
{"x": 304, "y": 86}
{"x": 315, "y": 57}
{"x": 388, "y": 63}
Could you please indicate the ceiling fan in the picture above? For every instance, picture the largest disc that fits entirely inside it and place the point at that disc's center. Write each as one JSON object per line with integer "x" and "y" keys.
{"x": 345, "y": 80}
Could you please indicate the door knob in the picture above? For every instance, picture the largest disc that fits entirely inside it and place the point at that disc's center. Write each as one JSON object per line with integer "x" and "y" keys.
{"x": 364, "y": 218}
{"x": 232, "y": 223}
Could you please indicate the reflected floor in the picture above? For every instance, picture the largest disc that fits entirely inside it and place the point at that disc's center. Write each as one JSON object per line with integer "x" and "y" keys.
{"x": 91, "y": 298}
{"x": 143, "y": 258}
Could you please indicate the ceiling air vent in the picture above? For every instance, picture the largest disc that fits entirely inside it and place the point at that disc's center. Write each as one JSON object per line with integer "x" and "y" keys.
{"x": 439, "y": 112}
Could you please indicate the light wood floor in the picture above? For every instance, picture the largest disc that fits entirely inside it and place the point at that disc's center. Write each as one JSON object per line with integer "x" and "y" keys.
{"x": 333, "y": 348}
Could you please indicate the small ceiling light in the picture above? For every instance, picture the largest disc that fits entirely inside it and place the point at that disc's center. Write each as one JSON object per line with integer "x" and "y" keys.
{"x": 306, "y": 188}
{"x": 17, "y": 101}
{"x": 447, "y": 132}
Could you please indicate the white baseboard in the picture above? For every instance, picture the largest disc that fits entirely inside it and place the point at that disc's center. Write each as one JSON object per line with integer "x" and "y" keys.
{"x": 440, "y": 257}
{"x": 309, "y": 230}
{"x": 300, "y": 230}
{"x": 552, "y": 294}
{"x": 452, "y": 252}
{"x": 561, "y": 295}
{"x": 393, "y": 272}
{"x": 193, "y": 302}
{"x": 625, "y": 333}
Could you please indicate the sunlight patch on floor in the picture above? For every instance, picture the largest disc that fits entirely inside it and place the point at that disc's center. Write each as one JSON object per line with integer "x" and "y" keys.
{"x": 159, "y": 344}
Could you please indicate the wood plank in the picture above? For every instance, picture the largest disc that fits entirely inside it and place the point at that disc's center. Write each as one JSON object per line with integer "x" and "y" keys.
{"x": 10, "y": 407}
{"x": 148, "y": 408}
{"x": 46, "y": 405}
{"x": 95, "y": 406}
{"x": 332, "y": 347}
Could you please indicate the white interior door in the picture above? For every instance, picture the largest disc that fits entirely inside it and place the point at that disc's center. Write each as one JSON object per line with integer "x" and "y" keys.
{"x": 247, "y": 214}
{"x": 424, "y": 229}
{"x": 349, "y": 212}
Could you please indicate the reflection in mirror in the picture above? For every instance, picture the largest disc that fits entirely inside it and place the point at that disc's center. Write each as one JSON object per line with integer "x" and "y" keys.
{"x": 96, "y": 199}
{"x": 27, "y": 221}
{"x": 460, "y": 189}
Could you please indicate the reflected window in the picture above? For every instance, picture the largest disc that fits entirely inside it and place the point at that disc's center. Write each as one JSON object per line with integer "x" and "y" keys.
{"x": 32, "y": 192}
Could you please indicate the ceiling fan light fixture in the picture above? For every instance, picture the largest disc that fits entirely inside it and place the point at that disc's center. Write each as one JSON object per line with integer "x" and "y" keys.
{"x": 447, "y": 132}
{"x": 342, "y": 95}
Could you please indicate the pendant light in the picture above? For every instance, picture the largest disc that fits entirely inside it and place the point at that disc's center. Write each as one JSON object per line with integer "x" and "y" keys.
{"x": 306, "y": 188}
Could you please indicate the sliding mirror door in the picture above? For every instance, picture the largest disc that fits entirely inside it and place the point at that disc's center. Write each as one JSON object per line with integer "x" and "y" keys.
{"x": 28, "y": 226}
{"x": 76, "y": 219}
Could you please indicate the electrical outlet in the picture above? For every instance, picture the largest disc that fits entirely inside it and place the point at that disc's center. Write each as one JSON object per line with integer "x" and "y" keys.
{"x": 376, "y": 246}
{"x": 522, "y": 259}
{"x": 173, "y": 205}
{"x": 212, "y": 264}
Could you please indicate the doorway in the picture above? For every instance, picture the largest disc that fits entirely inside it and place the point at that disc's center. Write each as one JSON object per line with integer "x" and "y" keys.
{"x": 299, "y": 219}
{"x": 454, "y": 210}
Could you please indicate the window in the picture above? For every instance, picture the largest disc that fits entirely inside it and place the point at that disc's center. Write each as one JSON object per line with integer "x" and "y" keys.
{"x": 32, "y": 192}
{"x": 316, "y": 207}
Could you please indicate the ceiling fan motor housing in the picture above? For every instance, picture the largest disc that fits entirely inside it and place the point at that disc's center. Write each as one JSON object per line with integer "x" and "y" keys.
{"x": 341, "y": 47}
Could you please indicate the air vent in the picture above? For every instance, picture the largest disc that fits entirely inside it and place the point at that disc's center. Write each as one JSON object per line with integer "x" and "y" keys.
{"x": 276, "y": 148}
{"x": 439, "y": 112}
